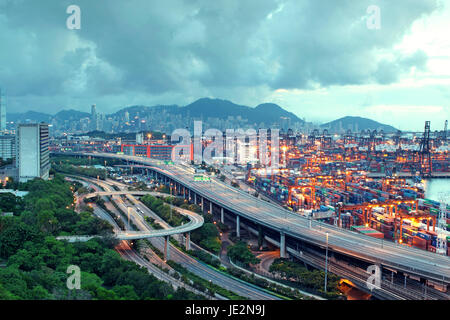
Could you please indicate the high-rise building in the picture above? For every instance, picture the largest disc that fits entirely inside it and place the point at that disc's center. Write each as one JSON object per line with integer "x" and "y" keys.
{"x": 32, "y": 151}
{"x": 2, "y": 112}
{"x": 94, "y": 118}
{"x": 139, "y": 138}
{"x": 93, "y": 111}
{"x": 7, "y": 147}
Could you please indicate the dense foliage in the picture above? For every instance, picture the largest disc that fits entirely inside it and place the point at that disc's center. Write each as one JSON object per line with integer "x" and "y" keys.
{"x": 36, "y": 263}
{"x": 240, "y": 252}
{"x": 10, "y": 203}
{"x": 172, "y": 217}
{"x": 77, "y": 170}
{"x": 313, "y": 281}
{"x": 207, "y": 237}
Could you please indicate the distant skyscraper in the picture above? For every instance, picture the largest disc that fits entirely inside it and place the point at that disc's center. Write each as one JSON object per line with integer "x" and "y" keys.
{"x": 95, "y": 118}
{"x": 93, "y": 111}
{"x": 127, "y": 116}
{"x": 2, "y": 112}
{"x": 32, "y": 151}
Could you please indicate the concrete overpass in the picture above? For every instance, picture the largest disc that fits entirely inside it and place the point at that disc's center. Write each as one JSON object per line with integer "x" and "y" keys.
{"x": 290, "y": 226}
{"x": 125, "y": 192}
{"x": 195, "y": 222}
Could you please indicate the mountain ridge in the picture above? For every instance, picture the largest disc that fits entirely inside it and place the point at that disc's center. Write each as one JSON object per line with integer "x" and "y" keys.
{"x": 356, "y": 123}
{"x": 268, "y": 113}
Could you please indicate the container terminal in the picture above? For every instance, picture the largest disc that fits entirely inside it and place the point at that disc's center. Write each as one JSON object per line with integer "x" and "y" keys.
{"x": 370, "y": 183}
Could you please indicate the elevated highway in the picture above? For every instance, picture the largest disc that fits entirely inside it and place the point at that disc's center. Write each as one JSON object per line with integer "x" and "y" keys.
{"x": 195, "y": 222}
{"x": 242, "y": 206}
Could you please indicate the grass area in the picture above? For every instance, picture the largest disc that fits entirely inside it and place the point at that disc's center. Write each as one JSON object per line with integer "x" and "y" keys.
{"x": 155, "y": 225}
{"x": 171, "y": 216}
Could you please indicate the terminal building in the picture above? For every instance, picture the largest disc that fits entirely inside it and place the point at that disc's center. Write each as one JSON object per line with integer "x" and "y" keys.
{"x": 32, "y": 151}
{"x": 154, "y": 151}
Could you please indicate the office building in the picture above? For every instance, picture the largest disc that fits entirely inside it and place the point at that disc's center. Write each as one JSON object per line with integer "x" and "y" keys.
{"x": 32, "y": 151}
{"x": 7, "y": 147}
{"x": 160, "y": 152}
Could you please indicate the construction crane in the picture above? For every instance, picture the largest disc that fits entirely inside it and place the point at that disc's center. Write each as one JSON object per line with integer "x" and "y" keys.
{"x": 425, "y": 165}
{"x": 444, "y": 133}
{"x": 441, "y": 241}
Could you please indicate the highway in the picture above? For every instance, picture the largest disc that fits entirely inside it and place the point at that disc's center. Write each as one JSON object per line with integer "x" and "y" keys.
{"x": 128, "y": 253}
{"x": 386, "y": 253}
{"x": 198, "y": 268}
{"x": 125, "y": 250}
{"x": 196, "y": 220}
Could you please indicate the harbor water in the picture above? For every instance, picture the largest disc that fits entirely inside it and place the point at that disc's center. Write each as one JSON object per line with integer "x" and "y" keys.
{"x": 433, "y": 187}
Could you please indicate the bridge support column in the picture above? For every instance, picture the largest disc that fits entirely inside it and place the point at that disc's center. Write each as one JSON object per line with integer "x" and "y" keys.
{"x": 195, "y": 198}
{"x": 238, "y": 227}
{"x": 201, "y": 204}
{"x": 222, "y": 217}
{"x": 282, "y": 245}
{"x": 210, "y": 207}
{"x": 166, "y": 248}
{"x": 188, "y": 241}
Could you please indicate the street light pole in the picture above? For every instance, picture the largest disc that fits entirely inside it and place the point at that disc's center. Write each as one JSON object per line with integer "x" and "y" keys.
{"x": 170, "y": 201}
{"x": 326, "y": 264}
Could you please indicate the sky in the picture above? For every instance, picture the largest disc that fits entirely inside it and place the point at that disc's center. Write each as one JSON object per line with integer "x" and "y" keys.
{"x": 320, "y": 59}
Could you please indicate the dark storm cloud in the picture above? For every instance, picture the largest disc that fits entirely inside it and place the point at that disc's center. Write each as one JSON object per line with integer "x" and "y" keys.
{"x": 191, "y": 47}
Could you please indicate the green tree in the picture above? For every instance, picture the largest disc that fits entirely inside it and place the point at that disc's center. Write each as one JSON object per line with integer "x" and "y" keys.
{"x": 241, "y": 253}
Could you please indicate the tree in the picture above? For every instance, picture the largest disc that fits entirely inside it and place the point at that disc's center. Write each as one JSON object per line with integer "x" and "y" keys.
{"x": 47, "y": 221}
{"x": 105, "y": 294}
{"x": 240, "y": 252}
{"x": 14, "y": 233}
{"x": 39, "y": 293}
{"x": 6, "y": 295}
{"x": 90, "y": 282}
{"x": 126, "y": 292}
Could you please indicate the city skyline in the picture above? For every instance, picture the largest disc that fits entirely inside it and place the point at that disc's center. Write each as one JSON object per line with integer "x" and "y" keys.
{"x": 179, "y": 153}
{"x": 397, "y": 74}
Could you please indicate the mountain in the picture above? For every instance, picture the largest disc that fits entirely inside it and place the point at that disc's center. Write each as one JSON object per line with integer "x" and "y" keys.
{"x": 217, "y": 108}
{"x": 357, "y": 124}
{"x": 144, "y": 110}
{"x": 268, "y": 113}
{"x": 71, "y": 115}
{"x": 31, "y": 116}
{"x": 204, "y": 108}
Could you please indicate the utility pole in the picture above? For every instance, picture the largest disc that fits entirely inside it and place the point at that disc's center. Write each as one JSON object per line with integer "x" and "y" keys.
{"x": 170, "y": 201}
{"x": 326, "y": 264}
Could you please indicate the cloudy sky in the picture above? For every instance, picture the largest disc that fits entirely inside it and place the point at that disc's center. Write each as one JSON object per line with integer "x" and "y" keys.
{"x": 316, "y": 58}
